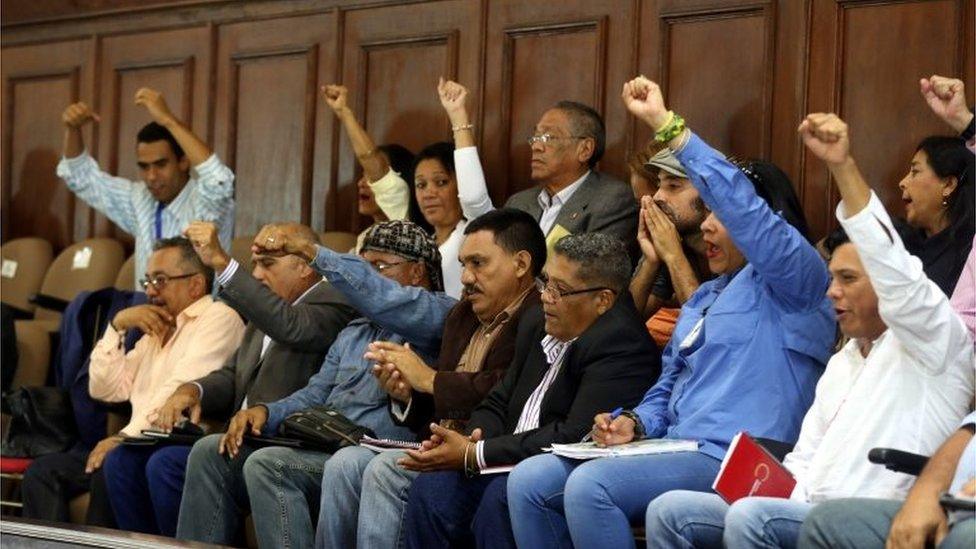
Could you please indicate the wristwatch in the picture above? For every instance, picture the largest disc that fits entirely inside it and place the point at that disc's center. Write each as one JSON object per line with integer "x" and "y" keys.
{"x": 639, "y": 432}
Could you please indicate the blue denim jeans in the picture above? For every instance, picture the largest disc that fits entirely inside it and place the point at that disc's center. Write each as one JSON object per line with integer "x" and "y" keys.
{"x": 280, "y": 486}
{"x": 683, "y": 519}
{"x": 558, "y": 502}
{"x": 862, "y": 523}
{"x": 448, "y": 510}
{"x": 145, "y": 484}
{"x": 364, "y": 495}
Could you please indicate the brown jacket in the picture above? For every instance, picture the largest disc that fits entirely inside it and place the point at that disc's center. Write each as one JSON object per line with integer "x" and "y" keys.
{"x": 456, "y": 394}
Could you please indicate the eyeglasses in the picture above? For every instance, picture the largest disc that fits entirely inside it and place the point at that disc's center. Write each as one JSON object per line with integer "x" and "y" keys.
{"x": 159, "y": 281}
{"x": 383, "y": 265}
{"x": 545, "y": 138}
{"x": 555, "y": 294}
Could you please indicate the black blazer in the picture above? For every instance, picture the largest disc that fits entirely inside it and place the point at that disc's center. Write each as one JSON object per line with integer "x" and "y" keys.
{"x": 301, "y": 335}
{"x": 611, "y": 364}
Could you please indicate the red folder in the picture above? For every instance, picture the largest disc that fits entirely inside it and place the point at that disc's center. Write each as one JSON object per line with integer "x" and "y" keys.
{"x": 750, "y": 470}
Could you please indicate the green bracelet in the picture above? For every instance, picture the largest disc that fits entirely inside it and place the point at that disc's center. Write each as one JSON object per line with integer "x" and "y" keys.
{"x": 671, "y": 130}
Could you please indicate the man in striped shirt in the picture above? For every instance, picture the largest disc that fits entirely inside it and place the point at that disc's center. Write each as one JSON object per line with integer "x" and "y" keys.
{"x": 588, "y": 351}
{"x": 168, "y": 197}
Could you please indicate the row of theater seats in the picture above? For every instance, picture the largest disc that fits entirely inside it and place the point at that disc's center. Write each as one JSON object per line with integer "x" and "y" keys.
{"x": 38, "y": 286}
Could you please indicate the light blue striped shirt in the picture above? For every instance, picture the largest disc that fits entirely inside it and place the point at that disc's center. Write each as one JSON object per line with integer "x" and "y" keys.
{"x": 207, "y": 197}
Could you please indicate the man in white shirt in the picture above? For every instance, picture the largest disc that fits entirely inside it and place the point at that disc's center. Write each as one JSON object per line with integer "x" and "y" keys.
{"x": 167, "y": 198}
{"x": 904, "y": 380}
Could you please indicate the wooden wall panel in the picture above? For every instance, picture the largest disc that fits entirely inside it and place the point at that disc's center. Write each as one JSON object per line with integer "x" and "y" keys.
{"x": 743, "y": 72}
{"x": 866, "y": 62}
{"x": 271, "y": 125}
{"x": 176, "y": 63}
{"x": 38, "y": 82}
{"x": 717, "y": 72}
{"x": 540, "y": 53}
{"x": 392, "y": 58}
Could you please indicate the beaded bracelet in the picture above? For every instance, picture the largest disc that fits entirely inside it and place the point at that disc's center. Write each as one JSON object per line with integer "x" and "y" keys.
{"x": 462, "y": 127}
{"x": 673, "y": 128}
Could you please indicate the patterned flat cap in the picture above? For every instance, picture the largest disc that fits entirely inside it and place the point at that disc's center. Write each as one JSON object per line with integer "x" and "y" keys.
{"x": 410, "y": 242}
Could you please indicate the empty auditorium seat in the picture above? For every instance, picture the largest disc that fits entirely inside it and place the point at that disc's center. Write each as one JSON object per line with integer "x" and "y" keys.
{"x": 87, "y": 265}
{"x": 24, "y": 262}
{"x": 126, "y": 279}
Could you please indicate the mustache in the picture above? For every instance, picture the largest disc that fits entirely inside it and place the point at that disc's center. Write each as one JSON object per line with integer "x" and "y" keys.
{"x": 472, "y": 289}
{"x": 666, "y": 208}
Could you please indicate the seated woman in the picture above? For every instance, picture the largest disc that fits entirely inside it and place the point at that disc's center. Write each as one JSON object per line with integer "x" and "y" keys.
{"x": 382, "y": 193}
{"x": 436, "y": 190}
{"x": 746, "y": 354}
{"x": 938, "y": 193}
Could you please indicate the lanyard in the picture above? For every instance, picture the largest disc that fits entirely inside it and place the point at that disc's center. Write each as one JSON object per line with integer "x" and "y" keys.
{"x": 159, "y": 220}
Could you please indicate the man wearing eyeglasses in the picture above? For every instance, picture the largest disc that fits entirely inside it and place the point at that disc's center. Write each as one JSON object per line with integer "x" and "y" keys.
{"x": 186, "y": 335}
{"x": 294, "y": 316}
{"x": 570, "y": 196}
{"x": 589, "y": 351}
{"x": 225, "y": 475}
{"x": 364, "y": 494}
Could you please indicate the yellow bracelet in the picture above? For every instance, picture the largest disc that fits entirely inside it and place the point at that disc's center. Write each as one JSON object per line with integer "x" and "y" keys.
{"x": 672, "y": 129}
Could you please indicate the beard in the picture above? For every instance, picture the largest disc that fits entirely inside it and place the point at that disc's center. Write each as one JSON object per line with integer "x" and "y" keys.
{"x": 686, "y": 225}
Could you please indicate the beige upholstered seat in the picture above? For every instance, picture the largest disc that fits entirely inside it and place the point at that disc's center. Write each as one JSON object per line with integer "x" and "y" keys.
{"x": 25, "y": 260}
{"x": 87, "y": 265}
{"x": 126, "y": 279}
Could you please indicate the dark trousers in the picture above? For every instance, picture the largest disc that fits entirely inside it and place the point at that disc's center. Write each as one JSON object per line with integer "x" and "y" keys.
{"x": 52, "y": 481}
{"x": 447, "y": 509}
{"x": 145, "y": 485}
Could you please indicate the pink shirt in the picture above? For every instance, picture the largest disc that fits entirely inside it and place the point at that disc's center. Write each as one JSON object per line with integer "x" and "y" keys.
{"x": 207, "y": 334}
{"x": 964, "y": 296}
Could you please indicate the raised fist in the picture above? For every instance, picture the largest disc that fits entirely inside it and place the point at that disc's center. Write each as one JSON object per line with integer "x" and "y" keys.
{"x": 154, "y": 102}
{"x": 826, "y": 137}
{"x": 644, "y": 100}
{"x": 78, "y": 114}
{"x": 947, "y": 99}
{"x": 336, "y": 96}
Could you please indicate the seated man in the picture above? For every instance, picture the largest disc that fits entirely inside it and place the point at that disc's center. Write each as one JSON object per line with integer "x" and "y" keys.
{"x": 919, "y": 520}
{"x": 168, "y": 198}
{"x": 589, "y": 351}
{"x": 569, "y": 195}
{"x": 909, "y": 363}
{"x": 937, "y": 340}
{"x": 226, "y": 476}
{"x": 502, "y": 254}
{"x": 746, "y": 354}
{"x": 669, "y": 233}
{"x": 187, "y": 335}
{"x": 294, "y": 316}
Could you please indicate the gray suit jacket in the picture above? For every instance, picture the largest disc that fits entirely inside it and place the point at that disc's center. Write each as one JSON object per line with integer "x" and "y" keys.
{"x": 601, "y": 204}
{"x": 301, "y": 335}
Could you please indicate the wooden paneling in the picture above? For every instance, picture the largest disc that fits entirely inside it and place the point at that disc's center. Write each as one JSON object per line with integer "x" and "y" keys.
{"x": 245, "y": 75}
{"x": 38, "y": 82}
{"x": 717, "y": 72}
{"x": 176, "y": 63}
{"x": 271, "y": 126}
{"x": 866, "y": 62}
{"x": 540, "y": 53}
{"x": 392, "y": 57}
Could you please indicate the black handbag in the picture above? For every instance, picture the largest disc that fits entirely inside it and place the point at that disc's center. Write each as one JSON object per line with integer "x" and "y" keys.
{"x": 323, "y": 428}
{"x": 42, "y": 422}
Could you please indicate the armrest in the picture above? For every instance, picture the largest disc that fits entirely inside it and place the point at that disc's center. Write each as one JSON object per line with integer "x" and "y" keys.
{"x": 49, "y": 302}
{"x": 898, "y": 461}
